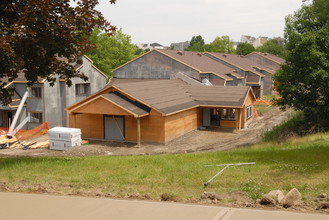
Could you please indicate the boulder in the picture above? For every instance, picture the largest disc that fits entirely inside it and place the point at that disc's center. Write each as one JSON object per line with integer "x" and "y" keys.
{"x": 272, "y": 198}
{"x": 292, "y": 198}
{"x": 277, "y": 195}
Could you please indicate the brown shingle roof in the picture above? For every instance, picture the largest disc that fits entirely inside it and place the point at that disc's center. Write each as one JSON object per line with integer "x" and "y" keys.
{"x": 272, "y": 57}
{"x": 133, "y": 107}
{"x": 170, "y": 96}
{"x": 225, "y": 96}
{"x": 166, "y": 96}
{"x": 236, "y": 60}
{"x": 199, "y": 62}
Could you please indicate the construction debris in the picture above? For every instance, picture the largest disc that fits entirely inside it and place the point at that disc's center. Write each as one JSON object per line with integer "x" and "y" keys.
{"x": 11, "y": 142}
{"x": 6, "y": 141}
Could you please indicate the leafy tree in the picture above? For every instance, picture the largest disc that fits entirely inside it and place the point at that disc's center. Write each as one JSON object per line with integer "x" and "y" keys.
{"x": 222, "y": 45}
{"x": 273, "y": 46}
{"x": 303, "y": 81}
{"x": 196, "y": 44}
{"x": 111, "y": 51}
{"x": 40, "y": 38}
{"x": 244, "y": 48}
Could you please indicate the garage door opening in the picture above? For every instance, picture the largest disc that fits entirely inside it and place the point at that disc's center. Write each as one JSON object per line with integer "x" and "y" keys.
{"x": 114, "y": 128}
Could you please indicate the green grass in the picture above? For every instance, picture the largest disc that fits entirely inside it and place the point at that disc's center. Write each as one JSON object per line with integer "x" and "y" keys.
{"x": 302, "y": 163}
{"x": 263, "y": 108}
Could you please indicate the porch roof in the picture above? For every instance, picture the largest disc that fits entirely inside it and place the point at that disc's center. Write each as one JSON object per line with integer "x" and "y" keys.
{"x": 133, "y": 107}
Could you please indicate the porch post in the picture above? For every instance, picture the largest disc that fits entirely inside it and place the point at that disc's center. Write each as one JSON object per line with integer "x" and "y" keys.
{"x": 138, "y": 132}
{"x": 240, "y": 117}
{"x": 237, "y": 120}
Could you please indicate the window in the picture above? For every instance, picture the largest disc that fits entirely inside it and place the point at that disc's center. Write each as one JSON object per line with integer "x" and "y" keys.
{"x": 36, "y": 92}
{"x": 82, "y": 89}
{"x": 249, "y": 112}
{"x": 36, "y": 117}
{"x": 228, "y": 114}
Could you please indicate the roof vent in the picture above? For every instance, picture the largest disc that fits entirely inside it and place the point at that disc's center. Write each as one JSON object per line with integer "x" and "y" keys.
{"x": 199, "y": 54}
{"x": 241, "y": 56}
{"x": 224, "y": 55}
{"x": 265, "y": 54}
{"x": 180, "y": 53}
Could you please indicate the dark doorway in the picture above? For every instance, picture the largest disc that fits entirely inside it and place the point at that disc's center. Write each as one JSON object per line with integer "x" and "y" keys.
{"x": 9, "y": 119}
{"x": 215, "y": 117}
{"x": 114, "y": 128}
{"x": 256, "y": 90}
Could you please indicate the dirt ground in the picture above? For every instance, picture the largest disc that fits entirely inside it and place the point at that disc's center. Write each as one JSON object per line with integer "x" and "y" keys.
{"x": 213, "y": 139}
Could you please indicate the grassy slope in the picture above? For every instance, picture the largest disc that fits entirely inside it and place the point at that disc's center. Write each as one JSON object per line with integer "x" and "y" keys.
{"x": 302, "y": 163}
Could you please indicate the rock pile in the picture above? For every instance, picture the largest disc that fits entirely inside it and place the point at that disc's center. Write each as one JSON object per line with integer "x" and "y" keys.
{"x": 276, "y": 197}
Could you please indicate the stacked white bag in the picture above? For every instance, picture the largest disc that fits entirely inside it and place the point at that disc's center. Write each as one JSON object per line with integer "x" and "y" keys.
{"x": 61, "y": 138}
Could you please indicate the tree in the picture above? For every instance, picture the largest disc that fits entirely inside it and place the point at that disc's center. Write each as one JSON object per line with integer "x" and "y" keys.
{"x": 244, "y": 48}
{"x": 40, "y": 38}
{"x": 111, "y": 51}
{"x": 273, "y": 46}
{"x": 303, "y": 81}
{"x": 196, "y": 44}
{"x": 222, "y": 45}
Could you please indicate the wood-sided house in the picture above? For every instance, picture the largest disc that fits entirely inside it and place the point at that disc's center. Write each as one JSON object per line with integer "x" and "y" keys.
{"x": 159, "y": 111}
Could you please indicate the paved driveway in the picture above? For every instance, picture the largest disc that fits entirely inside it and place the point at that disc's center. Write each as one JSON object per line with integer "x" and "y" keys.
{"x": 49, "y": 207}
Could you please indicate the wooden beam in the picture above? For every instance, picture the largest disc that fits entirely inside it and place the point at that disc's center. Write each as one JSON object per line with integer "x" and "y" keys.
{"x": 138, "y": 132}
{"x": 237, "y": 119}
{"x": 240, "y": 117}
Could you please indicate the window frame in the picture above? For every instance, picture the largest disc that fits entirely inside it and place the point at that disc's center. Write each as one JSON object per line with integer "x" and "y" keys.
{"x": 36, "y": 92}
{"x": 249, "y": 112}
{"x": 85, "y": 86}
{"x": 226, "y": 114}
{"x": 38, "y": 119}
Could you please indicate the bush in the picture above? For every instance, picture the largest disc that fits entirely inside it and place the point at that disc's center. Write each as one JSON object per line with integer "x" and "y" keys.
{"x": 297, "y": 125}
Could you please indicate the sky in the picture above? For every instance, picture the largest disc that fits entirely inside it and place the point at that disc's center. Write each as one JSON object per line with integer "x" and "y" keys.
{"x": 173, "y": 21}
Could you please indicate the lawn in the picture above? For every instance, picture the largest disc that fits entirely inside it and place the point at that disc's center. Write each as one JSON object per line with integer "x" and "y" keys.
{"x": 302, "y": 163}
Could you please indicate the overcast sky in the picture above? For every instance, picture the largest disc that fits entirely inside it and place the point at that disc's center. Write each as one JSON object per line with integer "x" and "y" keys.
{"x": 171, "y": 21}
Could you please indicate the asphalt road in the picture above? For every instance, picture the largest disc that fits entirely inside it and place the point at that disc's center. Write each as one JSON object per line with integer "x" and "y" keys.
{"x": 51, "y": 207}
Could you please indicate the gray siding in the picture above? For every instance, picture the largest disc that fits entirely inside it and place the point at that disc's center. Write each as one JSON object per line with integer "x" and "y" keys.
{"x": 264, "y": 62}
{"x": 154, "y": 65}
{"x": 268, "y": 83}
{"x": 238, "y": 70}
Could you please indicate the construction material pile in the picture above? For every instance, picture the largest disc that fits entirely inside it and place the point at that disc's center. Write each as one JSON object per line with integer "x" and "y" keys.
{"x": 11, "y": 142}
{"x": 61, "y": 138}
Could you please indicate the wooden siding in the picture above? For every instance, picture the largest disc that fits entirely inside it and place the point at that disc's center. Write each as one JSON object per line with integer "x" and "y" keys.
{"x": 152, "y": 128}
{"x": 228, "y": 123}
{"x": 101, "y": 106}
{"x": 91, "y": 125}
{"x": 181, "y": 123}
